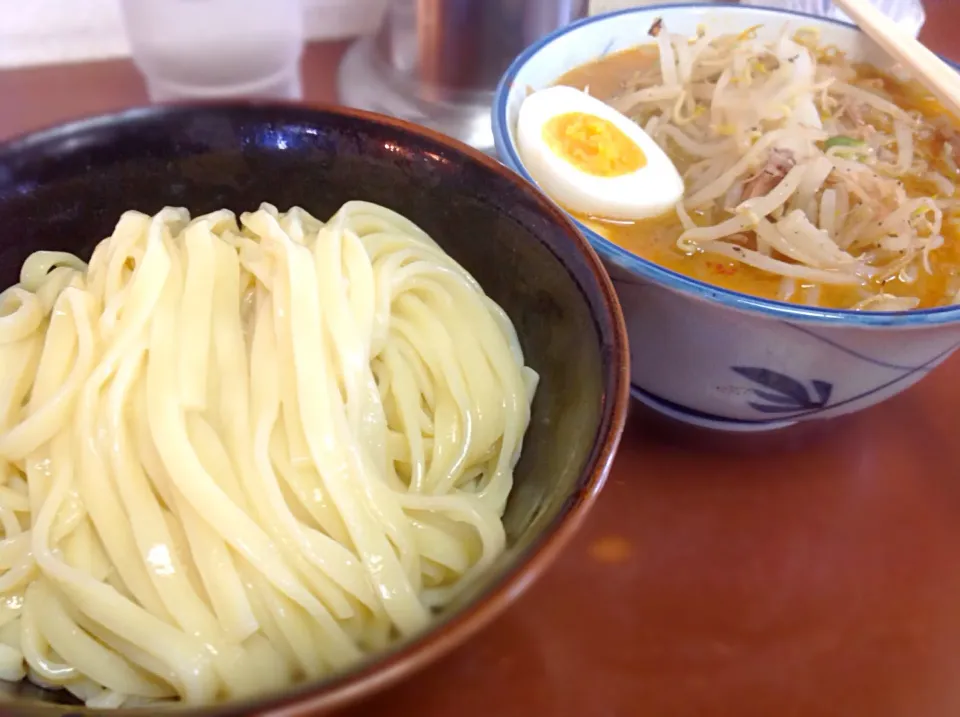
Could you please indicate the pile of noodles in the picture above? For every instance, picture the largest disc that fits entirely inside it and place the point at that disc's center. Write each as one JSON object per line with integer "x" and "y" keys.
{"x": 792, "y": 165}
{"x": 239, "y": 454}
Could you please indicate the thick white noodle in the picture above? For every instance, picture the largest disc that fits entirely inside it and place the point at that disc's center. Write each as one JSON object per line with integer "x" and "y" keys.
{"x": 238, "y": 455}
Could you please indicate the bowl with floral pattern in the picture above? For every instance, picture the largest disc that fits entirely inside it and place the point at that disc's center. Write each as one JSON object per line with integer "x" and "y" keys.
{"x": 711, "y": 356}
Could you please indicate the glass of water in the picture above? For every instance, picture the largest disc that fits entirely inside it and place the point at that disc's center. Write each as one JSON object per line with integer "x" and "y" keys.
{"x": 216, "y": 48}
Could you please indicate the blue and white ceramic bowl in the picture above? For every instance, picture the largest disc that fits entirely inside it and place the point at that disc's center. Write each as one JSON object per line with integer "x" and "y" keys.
{"x": 711, "y": 356}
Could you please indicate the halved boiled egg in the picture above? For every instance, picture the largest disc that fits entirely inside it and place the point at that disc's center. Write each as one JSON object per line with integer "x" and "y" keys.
{"x": 593, "y": 160}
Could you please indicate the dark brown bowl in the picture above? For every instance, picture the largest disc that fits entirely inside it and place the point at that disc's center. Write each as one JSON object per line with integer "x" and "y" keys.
{"x": 65, "y": 187}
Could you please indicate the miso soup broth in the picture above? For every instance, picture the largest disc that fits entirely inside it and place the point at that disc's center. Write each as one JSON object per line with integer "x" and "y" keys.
{"x": 808, "y": 178}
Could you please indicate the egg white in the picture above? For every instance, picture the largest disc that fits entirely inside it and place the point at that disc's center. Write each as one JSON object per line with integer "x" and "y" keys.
{"x": 649, "y": 191}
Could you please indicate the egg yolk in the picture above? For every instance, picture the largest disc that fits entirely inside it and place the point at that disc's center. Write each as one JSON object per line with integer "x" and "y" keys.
{"x": 592, "y": 144}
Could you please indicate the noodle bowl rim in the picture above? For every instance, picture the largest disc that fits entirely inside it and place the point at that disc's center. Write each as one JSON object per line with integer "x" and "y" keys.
{"x": 680, "y": 283}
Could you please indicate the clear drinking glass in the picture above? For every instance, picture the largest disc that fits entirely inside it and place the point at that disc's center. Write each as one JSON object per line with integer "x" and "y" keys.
{"x": 216, "y": 48}
{"x": 908, "y": 13}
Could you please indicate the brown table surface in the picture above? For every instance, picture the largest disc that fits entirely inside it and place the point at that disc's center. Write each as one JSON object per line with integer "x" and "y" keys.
{"x": 813, "y": 573}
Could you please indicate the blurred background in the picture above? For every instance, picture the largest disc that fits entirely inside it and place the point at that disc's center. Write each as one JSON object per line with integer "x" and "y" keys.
{"x": 53, "y": 31}
{"x": 432, "y": 62}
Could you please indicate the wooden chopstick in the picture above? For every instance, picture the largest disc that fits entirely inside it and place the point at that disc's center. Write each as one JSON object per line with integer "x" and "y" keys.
{"x": 925, "y": 67}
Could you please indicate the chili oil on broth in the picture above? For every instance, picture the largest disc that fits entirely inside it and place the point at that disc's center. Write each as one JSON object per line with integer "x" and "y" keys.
{"x": 656, "y": 239}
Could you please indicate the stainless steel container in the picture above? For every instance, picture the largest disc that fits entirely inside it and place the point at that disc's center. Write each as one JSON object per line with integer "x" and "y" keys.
{"x": 437, "y": 62}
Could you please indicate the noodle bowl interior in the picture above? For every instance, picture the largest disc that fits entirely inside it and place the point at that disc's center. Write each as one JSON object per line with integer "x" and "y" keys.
{"x": 239, "y": 454}
{"x": 808, "y": 178}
